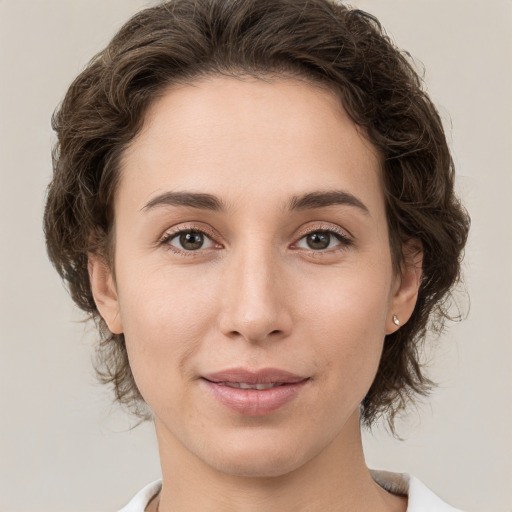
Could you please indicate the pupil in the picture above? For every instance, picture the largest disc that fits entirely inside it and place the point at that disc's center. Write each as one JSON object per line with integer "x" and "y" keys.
{"x": 318, "y": 240}
{"x": 191, "y": 241}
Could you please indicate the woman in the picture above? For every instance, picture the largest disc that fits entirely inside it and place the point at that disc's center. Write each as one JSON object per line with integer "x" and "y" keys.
{"x": 254, "y": 200}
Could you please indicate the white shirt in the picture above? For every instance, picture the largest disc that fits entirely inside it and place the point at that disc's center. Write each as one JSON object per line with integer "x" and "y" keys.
{"x": 421, "y": 498}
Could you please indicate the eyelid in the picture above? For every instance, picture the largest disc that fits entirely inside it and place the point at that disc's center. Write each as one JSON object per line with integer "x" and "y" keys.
{"x": 332, "y": 228}
{"x": 188, "y": 226}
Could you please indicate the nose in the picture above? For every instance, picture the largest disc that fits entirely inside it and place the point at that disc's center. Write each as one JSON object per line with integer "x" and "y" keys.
{"x": 255, "y": 304}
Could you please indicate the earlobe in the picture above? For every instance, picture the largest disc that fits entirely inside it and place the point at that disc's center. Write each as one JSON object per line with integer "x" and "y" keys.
{"x": 104, "y": 292}
{"x": 408, "y": 283}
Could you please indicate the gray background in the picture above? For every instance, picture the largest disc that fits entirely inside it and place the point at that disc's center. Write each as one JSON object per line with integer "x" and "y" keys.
{"x": 63, "y": 447}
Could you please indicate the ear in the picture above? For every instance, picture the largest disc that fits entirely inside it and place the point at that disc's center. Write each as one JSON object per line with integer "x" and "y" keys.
{"x": 407, "y": 284}
{"x": 104, "y": 292}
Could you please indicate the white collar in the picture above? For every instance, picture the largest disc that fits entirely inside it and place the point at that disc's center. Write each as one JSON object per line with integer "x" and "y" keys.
{"x": 420, "y": 497}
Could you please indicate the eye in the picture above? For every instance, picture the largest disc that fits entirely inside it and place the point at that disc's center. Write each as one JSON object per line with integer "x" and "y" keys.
{"x": 322, "y": 240}
{"x": 189, "y": 240}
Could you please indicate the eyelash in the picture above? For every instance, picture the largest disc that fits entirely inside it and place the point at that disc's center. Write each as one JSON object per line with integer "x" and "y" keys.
{"x": 342, "y": 237}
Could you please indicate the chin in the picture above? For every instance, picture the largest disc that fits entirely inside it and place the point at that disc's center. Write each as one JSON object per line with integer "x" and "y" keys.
{"x": 264, "y": 466}
{"x": 259, "y": 458}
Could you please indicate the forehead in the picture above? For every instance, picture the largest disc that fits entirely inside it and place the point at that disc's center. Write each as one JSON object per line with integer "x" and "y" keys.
{"x": 248, "y": 137}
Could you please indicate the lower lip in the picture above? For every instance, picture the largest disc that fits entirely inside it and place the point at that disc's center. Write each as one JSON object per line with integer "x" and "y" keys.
{"x": 255, "y": 402}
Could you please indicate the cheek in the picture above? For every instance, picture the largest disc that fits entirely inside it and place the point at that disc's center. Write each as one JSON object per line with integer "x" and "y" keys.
{"x": 348, "y": 321}
{"x": 354, "y": 299}
{"x": 166, "y": 316}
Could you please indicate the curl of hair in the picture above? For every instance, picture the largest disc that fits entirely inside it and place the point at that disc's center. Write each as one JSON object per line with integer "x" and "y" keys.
{"x": 321, "y": 41}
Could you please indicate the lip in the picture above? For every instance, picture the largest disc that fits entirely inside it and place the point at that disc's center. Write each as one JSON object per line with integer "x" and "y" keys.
{"x": 254, "y": 402}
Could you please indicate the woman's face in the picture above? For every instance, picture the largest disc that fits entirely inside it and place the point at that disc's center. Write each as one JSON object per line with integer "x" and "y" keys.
{"x": 251, "y": 246}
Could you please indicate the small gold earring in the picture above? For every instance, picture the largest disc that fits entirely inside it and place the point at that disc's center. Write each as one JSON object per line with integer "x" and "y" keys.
{"x": 396, "y": 321}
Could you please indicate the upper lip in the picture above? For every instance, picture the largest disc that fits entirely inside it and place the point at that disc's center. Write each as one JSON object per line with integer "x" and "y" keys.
{"x": 261, "y": 376}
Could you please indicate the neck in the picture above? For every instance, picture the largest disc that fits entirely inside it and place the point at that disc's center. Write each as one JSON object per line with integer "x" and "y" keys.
{"x": 336, "y": 479}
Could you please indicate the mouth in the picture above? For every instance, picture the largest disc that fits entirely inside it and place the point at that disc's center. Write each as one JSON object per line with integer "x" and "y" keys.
{"x": 254, "y": 393}
{"x": 247, "y": 379}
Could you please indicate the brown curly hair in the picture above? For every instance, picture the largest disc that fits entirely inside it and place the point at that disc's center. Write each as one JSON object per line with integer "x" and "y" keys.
{"x": 322, "y": 41}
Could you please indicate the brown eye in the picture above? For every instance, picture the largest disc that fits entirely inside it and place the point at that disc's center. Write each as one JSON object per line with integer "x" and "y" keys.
{"x": 319, "y": 240}
{"x": 190, "y": 240}
{"x": 322, "y": 240}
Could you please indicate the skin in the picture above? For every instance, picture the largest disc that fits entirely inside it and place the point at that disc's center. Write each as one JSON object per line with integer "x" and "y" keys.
{"x": 255, "y": 294}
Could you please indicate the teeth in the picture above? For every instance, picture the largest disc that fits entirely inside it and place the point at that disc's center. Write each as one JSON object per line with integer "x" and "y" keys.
{"x": 243, "y": 385}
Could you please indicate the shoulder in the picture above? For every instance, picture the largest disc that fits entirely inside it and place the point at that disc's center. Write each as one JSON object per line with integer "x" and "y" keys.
{"x": 139, "y": 502}
{"x": 420, "y": 497}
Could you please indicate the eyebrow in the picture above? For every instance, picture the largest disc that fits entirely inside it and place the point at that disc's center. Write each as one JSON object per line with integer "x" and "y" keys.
{"x": 190, "y": 199}
{"x": 322, "y": 199}
{"x": 309, "y": 201}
